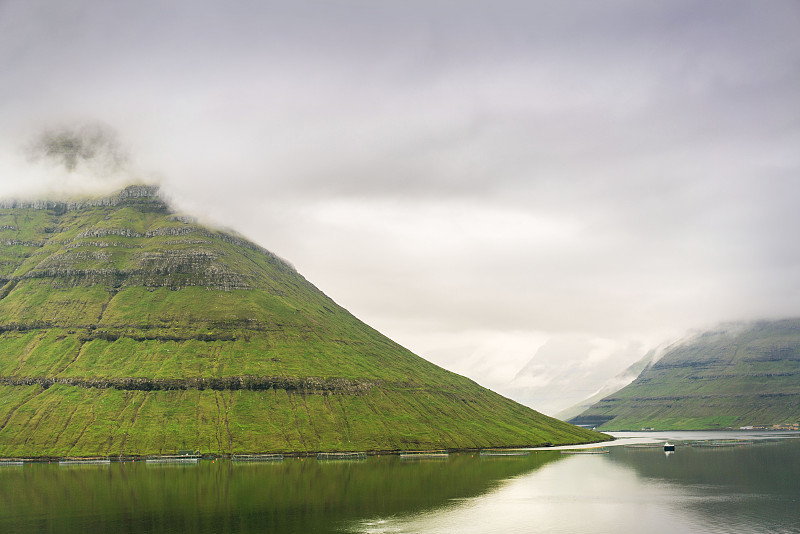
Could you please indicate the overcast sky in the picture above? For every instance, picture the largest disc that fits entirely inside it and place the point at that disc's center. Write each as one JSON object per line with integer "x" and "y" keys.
{"x": 532, "y": 194}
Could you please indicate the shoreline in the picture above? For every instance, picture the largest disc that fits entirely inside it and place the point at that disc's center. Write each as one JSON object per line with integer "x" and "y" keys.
{"x": 297, "y": 454}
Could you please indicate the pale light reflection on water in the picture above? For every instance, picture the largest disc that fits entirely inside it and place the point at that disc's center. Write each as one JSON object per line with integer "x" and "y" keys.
{"x": 750, "y": 488}
{"x": 559, "y": 498}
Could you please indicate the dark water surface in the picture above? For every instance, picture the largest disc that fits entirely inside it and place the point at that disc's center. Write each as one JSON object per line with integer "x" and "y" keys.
{"x": 748, "y": 488}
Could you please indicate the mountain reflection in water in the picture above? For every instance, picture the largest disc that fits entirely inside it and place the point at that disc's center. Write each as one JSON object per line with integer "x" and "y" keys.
{"x": 290, "y": 496}
{"x": 740, "y": 489}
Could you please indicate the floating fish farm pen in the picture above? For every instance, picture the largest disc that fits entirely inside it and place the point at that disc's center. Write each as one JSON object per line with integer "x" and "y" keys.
{"x": 585, "y": 451}
{"x": 723, "y": 443}
{"x": 257, "y": 457}
{"x": 501, "y": 453}
{"x": 342, "y": 456}
{"x": 9, "y": 462}
{"x": 424, "y": 455}
{"x": 84, "y": 461}
{"x": 173, "y": 459}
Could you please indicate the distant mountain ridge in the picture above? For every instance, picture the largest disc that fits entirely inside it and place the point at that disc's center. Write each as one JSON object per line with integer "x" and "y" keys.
{"x": 128, "y": 329}
{"x": 611, "y": 386}
{"x": 740, "y": 374}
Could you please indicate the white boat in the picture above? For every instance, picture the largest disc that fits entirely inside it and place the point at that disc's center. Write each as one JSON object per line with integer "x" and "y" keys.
{"x": 669, "y": 447}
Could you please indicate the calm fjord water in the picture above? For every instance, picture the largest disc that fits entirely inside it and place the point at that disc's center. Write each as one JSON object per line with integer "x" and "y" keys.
{"x": 750, "y": 488}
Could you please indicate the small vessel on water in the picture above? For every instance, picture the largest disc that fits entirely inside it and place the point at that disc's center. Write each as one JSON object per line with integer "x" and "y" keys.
{"x": 669, "y": 447}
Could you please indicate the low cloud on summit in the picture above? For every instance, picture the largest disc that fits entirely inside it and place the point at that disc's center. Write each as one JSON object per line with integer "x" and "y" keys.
{"x": 94, "y": 146}
{"x": 531, "y": 194}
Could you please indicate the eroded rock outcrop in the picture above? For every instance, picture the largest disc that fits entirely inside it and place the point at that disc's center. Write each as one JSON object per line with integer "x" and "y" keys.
{"x": 306, "y": 385}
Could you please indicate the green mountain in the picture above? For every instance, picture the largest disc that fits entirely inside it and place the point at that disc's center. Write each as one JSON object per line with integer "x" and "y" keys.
{"x": 128, "y": 329}
{"x": 738, "y": 375}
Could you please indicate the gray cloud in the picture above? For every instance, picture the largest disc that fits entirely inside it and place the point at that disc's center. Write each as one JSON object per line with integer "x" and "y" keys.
{"x": 473, "y": 178}
{"x": 93, "y": 145}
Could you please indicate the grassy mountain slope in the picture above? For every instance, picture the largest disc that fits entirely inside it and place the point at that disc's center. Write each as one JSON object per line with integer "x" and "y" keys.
{"x": 736, "y": 376}
{"x": 127, "y": 329}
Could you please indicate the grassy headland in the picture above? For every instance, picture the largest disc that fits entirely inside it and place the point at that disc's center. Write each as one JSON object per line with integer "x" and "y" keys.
{"x": 127, "y": 329}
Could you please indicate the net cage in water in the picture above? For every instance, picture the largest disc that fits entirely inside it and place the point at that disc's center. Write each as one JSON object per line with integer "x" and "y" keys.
{"x": 173, "y": 459}
{"x": 504, "y": 452}
{"x": 342, "y": 456}
{"x": 424, "y": 455}
{"x": 84, "y": 461}
{"x": 257, "y": 457}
